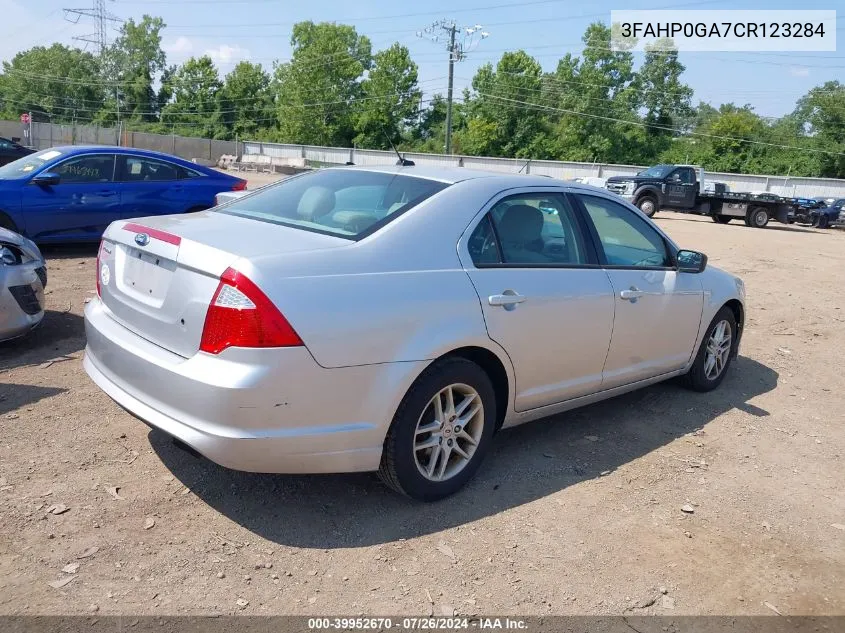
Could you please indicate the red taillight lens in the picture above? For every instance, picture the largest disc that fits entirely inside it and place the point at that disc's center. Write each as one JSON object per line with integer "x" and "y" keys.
{"x": 239, "y": 186}
{"x": 240, "y": 315}
{"x": 97, "y": 272}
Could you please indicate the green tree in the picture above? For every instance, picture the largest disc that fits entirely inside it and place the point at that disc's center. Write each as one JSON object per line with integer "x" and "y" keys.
{"x": 822, "y": 113}
{"x": 390, "y": 99}
{"x": 58, "y": 84}
{"x": 133, "y": 63}
{"x": 594, "y": 90}
{"x": 246, "y": 101}
{"x": 315, "y": 90}
{"x": 502, "y": 117}
{"x": 662, "y": 95}
{"x": 196, "y": 105}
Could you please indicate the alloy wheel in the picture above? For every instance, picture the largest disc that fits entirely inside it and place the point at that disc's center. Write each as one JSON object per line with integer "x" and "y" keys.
{"x": 718, "y": 350}
{"x": 448, "y": 432}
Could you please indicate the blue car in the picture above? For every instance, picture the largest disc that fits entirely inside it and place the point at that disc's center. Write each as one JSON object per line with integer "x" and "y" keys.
{"x": 71, "y": 194}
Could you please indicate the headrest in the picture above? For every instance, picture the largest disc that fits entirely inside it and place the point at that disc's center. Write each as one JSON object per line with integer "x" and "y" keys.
{"x": 315, "y": 203}
{"x": 521, "y": 224}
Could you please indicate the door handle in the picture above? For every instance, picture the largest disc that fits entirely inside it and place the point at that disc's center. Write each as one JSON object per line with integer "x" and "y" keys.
{"x": 106, "y": 193}
{"x": 632, "y": 294}
{"x": 506, "y": 299}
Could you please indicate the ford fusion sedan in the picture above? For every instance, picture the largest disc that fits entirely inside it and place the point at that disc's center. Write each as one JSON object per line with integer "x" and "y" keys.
{"x": 23, "y": 277}
{"x": 393, "y": 319}
{"x": 71, "y": 194}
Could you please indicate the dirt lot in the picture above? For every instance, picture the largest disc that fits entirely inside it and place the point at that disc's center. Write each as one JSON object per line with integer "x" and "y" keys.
{"x": 580, "y": 514}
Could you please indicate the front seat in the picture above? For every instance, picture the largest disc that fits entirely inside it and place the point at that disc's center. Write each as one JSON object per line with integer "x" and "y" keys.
{"x": 520, "y": 232}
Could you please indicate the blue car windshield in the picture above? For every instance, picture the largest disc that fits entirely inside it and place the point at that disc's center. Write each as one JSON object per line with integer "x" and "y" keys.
{"x": 28, "y": 164}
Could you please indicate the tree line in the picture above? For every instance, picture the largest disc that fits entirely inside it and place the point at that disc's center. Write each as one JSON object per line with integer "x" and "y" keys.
{"x": 335, "y": 91}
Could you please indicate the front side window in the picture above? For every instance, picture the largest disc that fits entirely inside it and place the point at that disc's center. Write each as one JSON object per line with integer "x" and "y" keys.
{"x": 140, "y": 169}
{"x": 346, "y": 203}
{"x": 529, "y": 229}
{"x": 87, "y": 169}
{"x": 627, "y": 239}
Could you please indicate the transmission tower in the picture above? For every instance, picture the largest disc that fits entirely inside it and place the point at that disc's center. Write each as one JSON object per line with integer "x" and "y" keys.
{"x": 100, "y": 16}
{"x": 459, "y": 41}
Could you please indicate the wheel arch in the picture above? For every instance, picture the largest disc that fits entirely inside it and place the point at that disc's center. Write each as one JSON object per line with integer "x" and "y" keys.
{"x": 495, "y": 370}
{"x": 6, "y": 221}
{"x": 647, "y": 191}
{"x": 738, "y": 310}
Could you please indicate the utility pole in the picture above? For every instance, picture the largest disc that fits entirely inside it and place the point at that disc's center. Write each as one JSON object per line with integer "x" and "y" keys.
{"x": 449, "y": 90}
{"x": 461, "y": 40}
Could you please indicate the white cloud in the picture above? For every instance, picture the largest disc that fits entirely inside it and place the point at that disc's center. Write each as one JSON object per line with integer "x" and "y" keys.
{"x": 182, "y": 46}
{"x": 225, "y": 54}
{"x": 799, "y": 71}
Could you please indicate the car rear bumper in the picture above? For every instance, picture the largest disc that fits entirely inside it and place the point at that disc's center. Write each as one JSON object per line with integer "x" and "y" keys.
{"x": 21, "y": 298}
{"x": 270, "y": 410}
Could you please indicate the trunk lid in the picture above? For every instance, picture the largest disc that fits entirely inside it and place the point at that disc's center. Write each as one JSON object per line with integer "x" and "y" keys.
{"x": 158, "y": 275}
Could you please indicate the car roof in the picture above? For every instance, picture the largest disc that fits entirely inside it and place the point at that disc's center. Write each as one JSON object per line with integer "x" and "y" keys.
{"x": 452, "y": 175}
{"x": 70, "y": 150}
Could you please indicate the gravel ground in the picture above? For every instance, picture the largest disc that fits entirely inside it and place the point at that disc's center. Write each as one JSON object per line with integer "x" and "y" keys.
{"x": 576, "y": 514}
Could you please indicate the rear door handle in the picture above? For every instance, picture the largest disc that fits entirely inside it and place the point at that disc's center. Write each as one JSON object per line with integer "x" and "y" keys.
{"x": 106, "y": 193}
{"x": 508, "y": 298}
{"x": 632, "y": 294}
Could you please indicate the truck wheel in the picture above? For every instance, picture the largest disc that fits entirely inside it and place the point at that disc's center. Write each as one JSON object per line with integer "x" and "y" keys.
{"x": 721, "y": 219}
{"x": 648, "y": 205}
{"x": 758, "y": 217}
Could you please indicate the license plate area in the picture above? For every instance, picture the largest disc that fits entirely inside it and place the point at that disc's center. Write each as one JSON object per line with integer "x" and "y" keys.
{"x": 142, "y": 275}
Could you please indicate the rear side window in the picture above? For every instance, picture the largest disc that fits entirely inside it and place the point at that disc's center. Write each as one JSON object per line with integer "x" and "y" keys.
{"x": 344, "y": 202}
{"x": 138, "y": 169}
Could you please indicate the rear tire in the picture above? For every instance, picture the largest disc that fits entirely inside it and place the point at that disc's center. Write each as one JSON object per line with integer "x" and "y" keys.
{"x": 757, "y": 217}
{"x": 714, "y": 354}
{"x": 409, "y": 449}
{"x": 648, "y": 205}
{"x": 721, "y": 219}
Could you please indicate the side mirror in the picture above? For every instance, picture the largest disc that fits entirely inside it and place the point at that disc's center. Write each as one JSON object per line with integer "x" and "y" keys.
{"x": 46, "y": 179}
{"x": 691, "y": 261}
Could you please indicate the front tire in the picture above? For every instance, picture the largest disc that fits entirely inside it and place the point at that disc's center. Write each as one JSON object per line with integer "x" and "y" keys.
{"x": 648, "y": 205}
{"x": 715, "y": 353}
{"x": 441, "y": 431}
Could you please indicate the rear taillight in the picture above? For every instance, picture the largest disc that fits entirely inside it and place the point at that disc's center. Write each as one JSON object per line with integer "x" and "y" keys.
{"x": 239, "y": 186}
{"x": 240, "y": 315}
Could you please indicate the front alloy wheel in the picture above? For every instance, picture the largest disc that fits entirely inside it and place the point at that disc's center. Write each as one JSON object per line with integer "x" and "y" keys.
{"x": 718, "y": 350}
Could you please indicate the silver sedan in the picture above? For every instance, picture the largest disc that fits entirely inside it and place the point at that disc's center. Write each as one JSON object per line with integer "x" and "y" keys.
{"x": 23, "y": 276}
{"x": 393, "y": 319}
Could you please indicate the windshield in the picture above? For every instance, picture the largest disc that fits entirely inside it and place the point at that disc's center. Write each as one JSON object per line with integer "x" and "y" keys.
{"x": 342, "y": 202}
{"x": 26, "y": 165}
{"x": 658, "y": 171}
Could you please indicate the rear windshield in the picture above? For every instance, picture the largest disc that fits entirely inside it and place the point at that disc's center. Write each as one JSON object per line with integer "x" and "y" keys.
{"x": 342, "y": 202}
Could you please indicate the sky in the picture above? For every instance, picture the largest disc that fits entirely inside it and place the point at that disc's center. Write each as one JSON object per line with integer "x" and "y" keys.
{"x": 259, "y": 31}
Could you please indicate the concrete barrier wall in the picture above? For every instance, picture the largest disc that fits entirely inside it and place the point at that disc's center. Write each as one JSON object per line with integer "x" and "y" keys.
{"x": 781, "y": 185}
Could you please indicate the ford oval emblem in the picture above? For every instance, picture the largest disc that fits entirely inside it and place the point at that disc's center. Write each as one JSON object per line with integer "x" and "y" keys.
{"x": 142, "y": 239}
